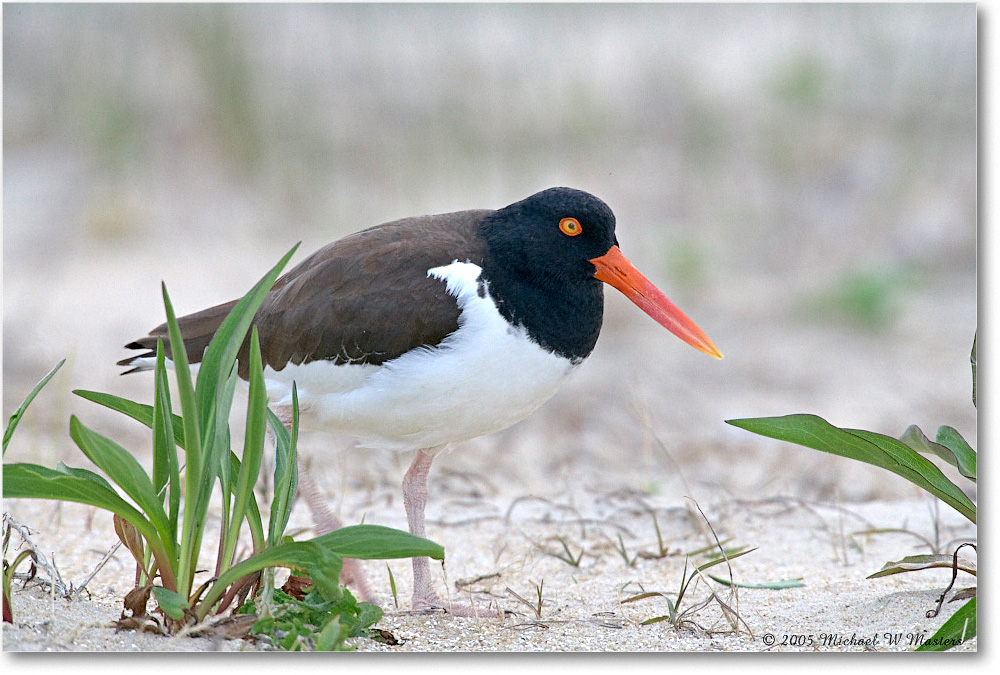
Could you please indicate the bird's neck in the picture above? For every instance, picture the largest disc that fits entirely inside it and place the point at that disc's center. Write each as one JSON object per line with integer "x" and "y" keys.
{"x": 562, "y": 316}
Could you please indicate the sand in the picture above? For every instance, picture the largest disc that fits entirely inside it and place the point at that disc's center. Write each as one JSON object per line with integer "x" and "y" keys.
{"x": 511, "y": 545}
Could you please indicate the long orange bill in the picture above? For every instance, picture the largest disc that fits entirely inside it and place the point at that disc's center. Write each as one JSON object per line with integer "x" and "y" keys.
{"x": 615, "y": 269}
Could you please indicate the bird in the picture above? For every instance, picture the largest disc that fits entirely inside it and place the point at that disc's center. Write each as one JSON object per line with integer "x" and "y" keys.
{"x": 427, "y": 331}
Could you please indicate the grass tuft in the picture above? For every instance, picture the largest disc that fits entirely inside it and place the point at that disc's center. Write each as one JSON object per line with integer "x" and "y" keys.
{"x": 161, "y": 517}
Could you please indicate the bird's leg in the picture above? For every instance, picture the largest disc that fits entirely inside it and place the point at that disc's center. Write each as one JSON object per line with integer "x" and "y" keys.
{"x": 415, "y": 500}
{"x": 323, "y": 519}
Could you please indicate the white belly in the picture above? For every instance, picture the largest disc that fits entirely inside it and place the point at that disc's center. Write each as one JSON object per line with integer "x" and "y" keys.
{"x": 484, "y": 377}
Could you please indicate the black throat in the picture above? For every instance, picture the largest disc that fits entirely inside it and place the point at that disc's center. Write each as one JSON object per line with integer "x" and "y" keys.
{"x": 562, "y": 314}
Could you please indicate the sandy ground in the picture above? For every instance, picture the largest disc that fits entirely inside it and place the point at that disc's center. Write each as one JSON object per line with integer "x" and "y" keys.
{"x": 498, "y": 543}
{"x": 500, "y": 536}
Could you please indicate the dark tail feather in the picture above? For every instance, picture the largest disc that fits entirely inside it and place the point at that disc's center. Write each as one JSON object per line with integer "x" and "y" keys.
{"x": 197, "y": 329}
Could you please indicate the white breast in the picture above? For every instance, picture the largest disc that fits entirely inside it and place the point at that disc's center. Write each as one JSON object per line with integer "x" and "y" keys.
{"x": 484, "y": 377}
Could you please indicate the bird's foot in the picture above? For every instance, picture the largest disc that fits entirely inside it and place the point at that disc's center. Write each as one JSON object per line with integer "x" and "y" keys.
{"x": 431, "y": 602}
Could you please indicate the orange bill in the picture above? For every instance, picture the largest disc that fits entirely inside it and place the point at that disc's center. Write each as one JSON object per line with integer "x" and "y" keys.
{"x": 614, "y": 268}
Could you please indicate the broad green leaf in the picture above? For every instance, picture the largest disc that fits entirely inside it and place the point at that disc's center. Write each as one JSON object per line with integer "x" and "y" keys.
{"x": 123, "y": 469}
{"x": 173, "y": 604}
{"x": 961, "y": 456}
{"x": 85, "y": 473}
{"x": 882, "y": 451}
{"x": 370, "y": 615}
{"x": 15, "y": 419}
{"x": 915, "y": 438}
{"x": 959, "y": 628}
{"x": 920, "y": 471}
{"x": 912, "y": 563}
{"x": 332, "y": 636}
{"x": 322, "y": 557}
{"x": 964, "y": 454}
{"x": 30, "y": 481}
{"x": 321, "y": 563}
{"x": 375, "y": 542}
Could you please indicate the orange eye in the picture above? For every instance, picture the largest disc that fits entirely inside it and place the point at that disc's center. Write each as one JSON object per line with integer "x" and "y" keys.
{"x": 570, "y": 227}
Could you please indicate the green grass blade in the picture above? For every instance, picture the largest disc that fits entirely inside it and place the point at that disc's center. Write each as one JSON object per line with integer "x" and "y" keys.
{"x": 375, "y": 542}
{"x": 722, "y": 559}
{"x": 15, "y": 419}
{"x": 225, "y": 346}
{"x": 221, "y": 440}
{"x": 209, "y": 407}
{"x": 925, "y": 561}
{"x": 960, "y": 627}
{"x": 253, "y": 511}
{"x": 765, "y": 585}
{"x": 138, "y": 411}
{"x": 217, "y": 452}
{"x": 253, "y": 448}
{"x": 166, "y": 427}
{"x": 286, "y": 476}
{"x": 123, "y": 470}
{"x": 162, "y": 434}
{"x": 882, "y": 451}
{"x": 192, "y": 525}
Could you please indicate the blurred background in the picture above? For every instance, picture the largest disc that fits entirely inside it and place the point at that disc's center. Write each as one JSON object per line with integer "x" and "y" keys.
{"x": 799, "y": 179}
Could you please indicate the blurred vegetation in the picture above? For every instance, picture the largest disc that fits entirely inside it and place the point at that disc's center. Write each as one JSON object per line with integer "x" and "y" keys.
{"x": 865, "y": 296}
{"x": 318, "y": 108}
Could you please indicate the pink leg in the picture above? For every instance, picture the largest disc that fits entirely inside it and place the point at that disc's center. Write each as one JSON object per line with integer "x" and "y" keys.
{"x": 324, "y": 521}
{"x": 415, "y": 500}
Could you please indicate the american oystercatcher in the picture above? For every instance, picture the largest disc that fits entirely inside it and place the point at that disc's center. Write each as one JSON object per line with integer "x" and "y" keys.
{"x": 431, "y": 330}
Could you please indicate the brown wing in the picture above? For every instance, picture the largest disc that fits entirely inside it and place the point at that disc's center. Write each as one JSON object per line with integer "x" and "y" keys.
{"x": 365, "y": 298}
{"x": 197, "y": 329}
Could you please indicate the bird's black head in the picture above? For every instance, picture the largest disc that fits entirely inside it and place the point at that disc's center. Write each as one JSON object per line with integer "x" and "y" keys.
{"x": 555, "y": 233}
{"x": 548, "y": 256}
{"x": 539, "y": 270}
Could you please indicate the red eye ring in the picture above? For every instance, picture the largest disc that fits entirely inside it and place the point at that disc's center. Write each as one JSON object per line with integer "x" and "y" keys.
{"x": 570, "y": 227}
